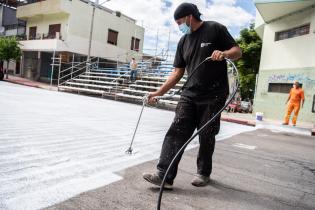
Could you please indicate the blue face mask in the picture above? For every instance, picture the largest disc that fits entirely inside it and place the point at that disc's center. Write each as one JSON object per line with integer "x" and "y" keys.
{"x": 184, "y": 28}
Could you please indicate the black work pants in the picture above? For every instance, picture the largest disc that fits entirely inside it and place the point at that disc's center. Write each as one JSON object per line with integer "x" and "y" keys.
{"x": 189, "y": 115}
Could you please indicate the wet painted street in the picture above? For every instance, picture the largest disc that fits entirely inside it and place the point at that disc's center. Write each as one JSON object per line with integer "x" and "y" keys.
{"x": 56, "y": 145}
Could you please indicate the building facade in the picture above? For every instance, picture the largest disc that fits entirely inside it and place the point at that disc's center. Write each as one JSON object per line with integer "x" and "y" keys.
{"x": 63, "y": 27}
{"x": 287, "y": 29}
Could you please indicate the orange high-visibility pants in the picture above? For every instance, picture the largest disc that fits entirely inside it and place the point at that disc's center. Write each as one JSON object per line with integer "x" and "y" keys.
{"x": 290, "y": 108}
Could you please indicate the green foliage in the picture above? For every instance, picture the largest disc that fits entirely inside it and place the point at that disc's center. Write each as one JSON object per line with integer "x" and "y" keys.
{"x": 9, "y": 48}
{"x": 248, "y": 65}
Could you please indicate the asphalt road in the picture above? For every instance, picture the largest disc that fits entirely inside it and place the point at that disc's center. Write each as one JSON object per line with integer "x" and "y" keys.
{"x": 261, "y": 169}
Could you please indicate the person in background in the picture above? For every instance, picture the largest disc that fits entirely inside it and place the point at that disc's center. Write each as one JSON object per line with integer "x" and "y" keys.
{"x": 133, "y": 70}
{"x": 296, "y": 101}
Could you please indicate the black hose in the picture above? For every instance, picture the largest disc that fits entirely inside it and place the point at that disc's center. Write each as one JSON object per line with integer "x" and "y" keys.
{"x": 197, "y": 133}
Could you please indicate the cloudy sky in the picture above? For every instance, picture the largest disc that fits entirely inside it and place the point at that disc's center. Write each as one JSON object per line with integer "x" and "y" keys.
{"x": 156, "y": 16}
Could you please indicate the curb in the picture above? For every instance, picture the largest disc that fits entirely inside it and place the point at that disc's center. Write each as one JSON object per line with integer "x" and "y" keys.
{"x": 27, "y": 84}
{"x": 238, "y": 121}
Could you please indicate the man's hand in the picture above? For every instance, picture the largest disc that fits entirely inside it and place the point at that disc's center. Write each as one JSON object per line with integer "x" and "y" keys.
{"x": 217, "y": 55}
{"x": 151, "y": 97}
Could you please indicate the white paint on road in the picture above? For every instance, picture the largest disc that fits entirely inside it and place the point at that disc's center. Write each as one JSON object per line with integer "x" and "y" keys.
{"x": 244, "y": 146}
{"x": 55, "y": 145}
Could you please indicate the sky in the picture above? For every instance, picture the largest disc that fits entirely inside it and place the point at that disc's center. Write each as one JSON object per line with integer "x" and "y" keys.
{"x": 161, "y": 31}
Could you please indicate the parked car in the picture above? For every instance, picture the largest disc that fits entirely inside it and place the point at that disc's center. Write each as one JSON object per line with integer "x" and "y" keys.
{"x": 234, "y": 106}
{"x": 245, "y": 106}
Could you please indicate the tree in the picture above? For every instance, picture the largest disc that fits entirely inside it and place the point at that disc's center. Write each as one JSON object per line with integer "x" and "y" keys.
{"x": 248, "y": 65}
{"x": 9, "y": 50}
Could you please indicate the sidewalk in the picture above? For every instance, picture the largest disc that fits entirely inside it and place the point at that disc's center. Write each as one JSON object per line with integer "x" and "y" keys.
{"x": 249, "y": 119}
{"x": 28, "y": 82}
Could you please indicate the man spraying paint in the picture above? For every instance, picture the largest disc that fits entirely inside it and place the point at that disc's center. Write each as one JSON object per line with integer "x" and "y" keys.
{"x": 295, "y": 99}
{"x": 203, "y": 95}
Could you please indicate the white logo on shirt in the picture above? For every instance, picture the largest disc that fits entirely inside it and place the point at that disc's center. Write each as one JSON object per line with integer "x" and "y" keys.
{"x": 205, "y": 44}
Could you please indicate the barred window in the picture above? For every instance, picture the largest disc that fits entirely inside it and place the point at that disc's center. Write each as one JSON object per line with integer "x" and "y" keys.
{"x": 135, "y": 43}
{"x": 112, "y": 37}
{"x": 52, "y": 30}
{"x": 32, "y": 32}
{"x": 293, "y": 32}
{"x": 280, "y": 87}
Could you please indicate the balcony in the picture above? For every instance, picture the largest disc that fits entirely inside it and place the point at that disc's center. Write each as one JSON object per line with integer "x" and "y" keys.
{"x": 273, "y": 9}
{"x": 39, "y": 36}
{"x": 38, "y": 8}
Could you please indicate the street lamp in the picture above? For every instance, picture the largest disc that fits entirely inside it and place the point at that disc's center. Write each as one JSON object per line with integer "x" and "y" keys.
{"x": 88, "y": 61}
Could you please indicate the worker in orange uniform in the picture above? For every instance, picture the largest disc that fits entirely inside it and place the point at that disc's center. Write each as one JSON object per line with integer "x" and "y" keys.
{"x": 295, "y": 97}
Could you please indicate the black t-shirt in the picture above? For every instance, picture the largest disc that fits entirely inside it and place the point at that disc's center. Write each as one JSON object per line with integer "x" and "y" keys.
{"x": 210, "y": 79}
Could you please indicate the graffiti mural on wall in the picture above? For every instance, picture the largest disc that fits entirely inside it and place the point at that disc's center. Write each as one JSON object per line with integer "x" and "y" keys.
{"x": 302, "y": 78}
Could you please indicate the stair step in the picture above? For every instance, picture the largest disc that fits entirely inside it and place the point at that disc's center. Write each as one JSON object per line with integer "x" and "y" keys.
{"x": 107, "y": 74}
{"x": 144, "y": 87}
{"x": 96, "y": 81}
{"x": 111, "y": 70}
{"x": 155, "y": 83}
{"x": 135, "y": 91}
{"x": 148, "y": 88}
{"x": 139, "y": 98}
{"x": 89, "y": 85}
{"x": 100, "y": 77}
{"x": 142, "y": 93}
{"x": 82, "y": 89}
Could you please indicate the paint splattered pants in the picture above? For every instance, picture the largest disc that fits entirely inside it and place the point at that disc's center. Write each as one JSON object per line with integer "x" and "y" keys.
{"x": 190, "y": 115}
{"x": 291, "y": 107}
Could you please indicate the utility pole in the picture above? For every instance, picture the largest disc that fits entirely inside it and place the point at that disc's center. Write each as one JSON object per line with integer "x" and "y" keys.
{"x": 168, "y": 44}
{"x": 156, "y": 46}
{"x": 88, "y": 60}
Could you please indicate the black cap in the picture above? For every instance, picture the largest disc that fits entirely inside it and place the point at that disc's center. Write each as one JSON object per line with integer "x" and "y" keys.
{"x": 186, "y": 9}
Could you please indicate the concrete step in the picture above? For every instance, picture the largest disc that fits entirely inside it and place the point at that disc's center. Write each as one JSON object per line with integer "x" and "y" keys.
{"x": 140, "y": 98}
{"x": 101, "y": 78}
{"x": 142, "y": 93}
{"x": 149, "y": 88}
{"x": 155, "y": 83}
{"x": 96, "y": 82}
{"x": 90, "y": 85}
{"x": 82, "y": 89}
{"x": 160, "y": 79}
{"x": 107, "y": 74}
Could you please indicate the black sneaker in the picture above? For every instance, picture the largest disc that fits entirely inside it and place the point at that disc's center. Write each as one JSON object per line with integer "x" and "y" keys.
{"x": 154, "y": 178}
{"x": 200, "y": 180}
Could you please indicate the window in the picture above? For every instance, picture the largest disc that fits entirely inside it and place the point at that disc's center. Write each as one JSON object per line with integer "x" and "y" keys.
{"x": 112, "y": 37}
{"x": 11, "y": 27}
{"x": 293, "y": 32}
{"x": 135, "y": 44}
{"x": 53, "y": 29}
{"x": 32, "y": 33}
{"x": 280, "y": 87}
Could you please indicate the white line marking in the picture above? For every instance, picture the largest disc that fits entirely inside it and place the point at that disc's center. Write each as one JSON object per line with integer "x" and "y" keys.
{"x": 245, "y": 146}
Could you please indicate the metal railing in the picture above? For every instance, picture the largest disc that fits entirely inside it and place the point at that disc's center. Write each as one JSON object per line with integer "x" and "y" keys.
{"x": 73, "y": 71}
{"x": 149, "y": 67}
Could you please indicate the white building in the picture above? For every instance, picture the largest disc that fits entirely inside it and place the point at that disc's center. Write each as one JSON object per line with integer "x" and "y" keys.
{"x": 63, "y": 26}
{"x": 287, "y": 28}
